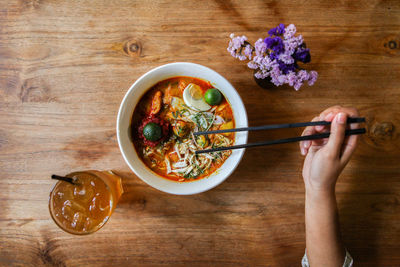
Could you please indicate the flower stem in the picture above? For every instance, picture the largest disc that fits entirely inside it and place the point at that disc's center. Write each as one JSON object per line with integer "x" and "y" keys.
{"x": 247, "y": 43}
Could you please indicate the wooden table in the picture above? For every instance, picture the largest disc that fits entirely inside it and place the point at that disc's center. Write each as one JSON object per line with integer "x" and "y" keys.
{"x": 65, "y": 66}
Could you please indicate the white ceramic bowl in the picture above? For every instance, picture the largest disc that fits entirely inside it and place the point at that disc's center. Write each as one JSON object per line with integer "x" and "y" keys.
{"x": 129, "y": 103}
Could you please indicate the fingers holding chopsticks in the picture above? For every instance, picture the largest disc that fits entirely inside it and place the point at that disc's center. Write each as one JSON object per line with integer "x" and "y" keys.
{"x": 309, "y": 130}
{"x": 347, "y": 144}
{"x": 338, "y": 128}
{"x": 350, "y": 142}
{"x": 329, "y": 115}
{"x": 325, "y": 117}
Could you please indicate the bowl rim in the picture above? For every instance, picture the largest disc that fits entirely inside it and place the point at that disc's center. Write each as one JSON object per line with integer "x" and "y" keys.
{"x": 124, "y": 103}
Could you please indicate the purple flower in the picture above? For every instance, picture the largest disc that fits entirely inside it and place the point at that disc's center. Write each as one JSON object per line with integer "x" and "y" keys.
{"x": 293, "y": 43}
{"x": 263, "y": 64}
{"x": 267, "y": 63}
{"x": 260, "y": 47}
{"x": 252, "y": 65}
{"x": 291, "y": 78}
{"x": 276, "y": 45}
{"x": 248, "y": 51}
{"x": 313, "y": 77}
{"x": 256, "y": 63}
{"x": 297, "y": 85}
{"x": 286, "y": 57}
{"x": 236, "y": 45}
{"x": 302, "y": 55}
{"x": 259, "y": 75}
{"x": 237, "y": 42}
{"x": 289, "y": 31}
{"x": 285, "y": 68}
{"x": 302, "y": 76}
{"x": 276, "y": 74}
{"x": 278, "y": 30}
{"x": 276, "y": 56}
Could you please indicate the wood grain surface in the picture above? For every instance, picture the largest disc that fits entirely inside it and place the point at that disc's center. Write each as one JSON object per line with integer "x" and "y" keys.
{"x": 65, "y": 67}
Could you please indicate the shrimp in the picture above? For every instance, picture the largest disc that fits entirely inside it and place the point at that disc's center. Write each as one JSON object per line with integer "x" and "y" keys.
{"x": 182, "y": 85}
{"x": 156, "y": 103}
{"x": 167, "y": 95}
{"x": 180, "y": 128}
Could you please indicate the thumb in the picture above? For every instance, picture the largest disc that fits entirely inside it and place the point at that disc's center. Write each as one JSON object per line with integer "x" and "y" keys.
{"x": 336, "y": 138}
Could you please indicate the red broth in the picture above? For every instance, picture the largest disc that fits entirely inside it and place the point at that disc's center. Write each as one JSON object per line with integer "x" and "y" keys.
{"x": 172, "y": 156}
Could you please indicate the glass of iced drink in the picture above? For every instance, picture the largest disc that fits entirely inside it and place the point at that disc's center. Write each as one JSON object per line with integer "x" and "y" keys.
{"x": 84, "y": 206}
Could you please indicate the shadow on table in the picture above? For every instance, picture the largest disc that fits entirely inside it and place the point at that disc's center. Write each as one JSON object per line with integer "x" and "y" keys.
{"x": 365, "y": 212}
{"x": 200, "y": 226}
{"x": 141, "y": 198}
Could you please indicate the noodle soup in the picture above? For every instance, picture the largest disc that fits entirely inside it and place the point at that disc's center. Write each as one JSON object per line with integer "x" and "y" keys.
{"x": 165, "y": 119}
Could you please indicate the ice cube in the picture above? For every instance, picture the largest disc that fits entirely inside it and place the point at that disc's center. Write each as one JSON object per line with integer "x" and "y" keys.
{"x": 67, "y": 193}
{"x": 79, "y": 191}
{"x": 105, "y": 207}
{"x": 84, "y": 193}
{"x": 78, "y": 220}
{"x": 87, "y": 225}
{"x": 77, "y": 206}
{"x": 67, "y": 203}
{"x": 67, "y": 212}
{"x": 94, "y": 204}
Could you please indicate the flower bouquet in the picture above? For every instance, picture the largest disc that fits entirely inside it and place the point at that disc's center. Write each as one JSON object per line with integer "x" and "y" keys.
{"x": 276, "y": 58}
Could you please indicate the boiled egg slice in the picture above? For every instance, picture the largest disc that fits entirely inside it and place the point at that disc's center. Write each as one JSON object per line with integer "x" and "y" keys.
{"x": 193, "y": 97}
{"x": 177, "y": 103}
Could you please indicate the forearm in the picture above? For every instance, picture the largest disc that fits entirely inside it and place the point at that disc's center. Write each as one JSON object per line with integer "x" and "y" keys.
{"x": 324, "y": 245}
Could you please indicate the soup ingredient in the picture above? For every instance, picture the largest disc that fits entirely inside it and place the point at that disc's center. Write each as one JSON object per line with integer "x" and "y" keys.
{"x": 190, "y": 166}
{"x": 213, "y": 96}
{"x": 156, "y": 103}
{"x": 180, "y": 129}
{"x": 182, "y": 85}
{"x": 178, "y": 105}
{"x": 193, "y": 98}
{"x": 153, "y": 141}
{"x": 167, "y": 95}
{"x": 202, "y": 141}
{"x": 226, "y": 126}
{"x": 152, "y": 131}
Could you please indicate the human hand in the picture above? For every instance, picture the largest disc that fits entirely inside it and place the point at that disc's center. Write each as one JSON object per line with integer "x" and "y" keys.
{"x": 326, "y": 158}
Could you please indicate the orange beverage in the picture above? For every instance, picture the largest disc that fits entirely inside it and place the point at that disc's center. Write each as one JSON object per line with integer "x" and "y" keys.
{"x": 85, "y": 206}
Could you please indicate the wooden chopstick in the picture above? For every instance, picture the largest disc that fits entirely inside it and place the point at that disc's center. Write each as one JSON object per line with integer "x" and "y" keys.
{"x": 278, "y": 126}
{"x": 281, "y": 141}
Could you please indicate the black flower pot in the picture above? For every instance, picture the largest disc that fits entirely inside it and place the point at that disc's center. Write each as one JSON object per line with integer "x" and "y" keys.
{"x": 265, "y": 83}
